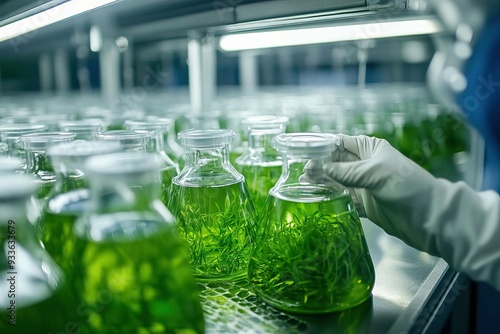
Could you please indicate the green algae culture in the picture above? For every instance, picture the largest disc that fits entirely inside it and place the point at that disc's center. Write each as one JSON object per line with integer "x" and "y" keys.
{"x": 261, "y": 164}
{"x": 10, "y": 134}
{"x": 56, "y": 230}
{"x": 213, "y": 207}
{"x": 260, "y": 179}
{"x": 311, "y": 255}
{"x": 69, "y": 200}
{"x": 135, "y": 273}
{"x": 157, "y": 130}
{"x": 218, "y": 225}
{"x": 141, "y": 266}
{"x": 35, "y": 146}
{"x": 34, "y": 291}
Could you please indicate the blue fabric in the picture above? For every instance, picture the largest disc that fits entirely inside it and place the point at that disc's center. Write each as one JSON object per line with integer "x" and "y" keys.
{"x": 480, "y": 102}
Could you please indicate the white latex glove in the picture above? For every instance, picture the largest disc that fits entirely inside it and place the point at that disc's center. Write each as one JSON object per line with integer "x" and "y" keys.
{"x": 446, "y": 219}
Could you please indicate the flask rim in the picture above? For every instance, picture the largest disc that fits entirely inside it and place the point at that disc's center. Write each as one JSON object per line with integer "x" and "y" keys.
{"x": 265, "y": 121}
{"x": 81, "y": 125}
{"x": 41, "y": 141}
{"x": 82, "y": 149}
{"x": 306, "y": 144}
{"x": 206, "y": 138}
{"x": 148, "y": 124}
{"x": 126, "y": 138}
{"x": 19, "y": 129}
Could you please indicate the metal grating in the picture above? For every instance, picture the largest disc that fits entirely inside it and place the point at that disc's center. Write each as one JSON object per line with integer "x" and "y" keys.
{"x": 233, "y": 308}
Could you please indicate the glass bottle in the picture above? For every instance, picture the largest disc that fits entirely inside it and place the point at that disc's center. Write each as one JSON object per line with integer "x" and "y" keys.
{"x": 134, "y": 253}
{"x": 10, "y": 133}
{"x": 35, "y": 146}
{"x": 31, "y": 285}
{"x": 168, "y": 168}
{"x": 85, "y": 129}
{"x": 261, "y": 164}
{"x": 130, "y": 141}
{"x": 311, "y": 255}
{"x": 4, "y": 149}
{"x": 69, "y": 200}
{"x": 172, "y": 147}
{"x": 115, "y": 120}
{"x": 51, "y": 121}
{"x": 214, "y": 211}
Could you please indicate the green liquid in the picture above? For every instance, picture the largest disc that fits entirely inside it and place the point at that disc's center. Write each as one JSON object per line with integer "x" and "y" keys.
{"x": 218, "y": 224}
{"x": 167, "y": 174}
{"x": 56, "y": 229}
{"x": 313, "y": 256}
{"x": 45, "y": 189}
{"x": 260, "y": 179}
{"x": 136, "y": 277}
{"x": 39, "y": 303}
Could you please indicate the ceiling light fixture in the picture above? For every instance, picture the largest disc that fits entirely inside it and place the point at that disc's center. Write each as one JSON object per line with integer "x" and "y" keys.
{"x": 352, "y": 32}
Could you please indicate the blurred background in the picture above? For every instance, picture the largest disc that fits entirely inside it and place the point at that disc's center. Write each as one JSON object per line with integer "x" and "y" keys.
{"x": 350, "y": 66}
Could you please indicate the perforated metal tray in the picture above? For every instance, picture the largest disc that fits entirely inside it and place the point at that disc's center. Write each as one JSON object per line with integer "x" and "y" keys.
{"x": 405, "y": 283}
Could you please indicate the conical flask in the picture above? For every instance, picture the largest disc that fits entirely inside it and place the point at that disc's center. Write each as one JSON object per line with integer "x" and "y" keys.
{"x": 157, "y": 129}
{"x": 34, "y": 298}
{"x": 311, "y": 255}
{"x": 261, "y": 164}
{"x": 214, "y": 211}
{"x": 69, "y": 200}
{"x": 135, "y": 273}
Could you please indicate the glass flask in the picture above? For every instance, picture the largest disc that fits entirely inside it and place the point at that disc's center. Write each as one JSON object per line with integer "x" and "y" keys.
{"x": 35, "y": 146}
{"x": 10, "y": 133}
{"x": 134, "y": 253}
{"x": 311, "y": 255}
{"x": 168, "y": 168}
{"x": 261, "y": 164}
{"x": 4, "y": 149}
{"x": 69, "y": 200}
{"x": 51, "y": 121}
{"x": 169, "y": 145}
{"x": 34, "y": 297}
{"x": 130, "y": 141}
{"x": 115, "y": 120}
{"x": 233, "y": 120}
{"x": 85, "y": 129}
{"x": 214, "y": 211}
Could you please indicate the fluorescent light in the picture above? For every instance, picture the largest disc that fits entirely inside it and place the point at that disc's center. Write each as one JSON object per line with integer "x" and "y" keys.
{"x": 49, "y": 16}
{"x": 353, "y": 32}
{"x": 95, "y": 39}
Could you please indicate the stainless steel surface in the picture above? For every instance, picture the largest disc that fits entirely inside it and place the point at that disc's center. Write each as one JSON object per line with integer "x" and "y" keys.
{"x": 406, "y": 280}
{"x": 280, "y": 8}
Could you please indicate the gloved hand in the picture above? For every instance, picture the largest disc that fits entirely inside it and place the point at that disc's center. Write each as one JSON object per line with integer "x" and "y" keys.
{"x": 442, "y": 218}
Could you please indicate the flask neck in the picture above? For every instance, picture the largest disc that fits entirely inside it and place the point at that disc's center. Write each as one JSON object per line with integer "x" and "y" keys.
{"x": 260, "y": 143}
{"x": 155, "y": 142}
{"x": 208, "y": 167}
{"x": 209, "y": 159}
{"x": 13, "y": 146}
{"x": 38, "y": 162}
{"x": 294, "y": 168}
{"x": 68, "y": 180}
{"x": 125, "y": 193}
